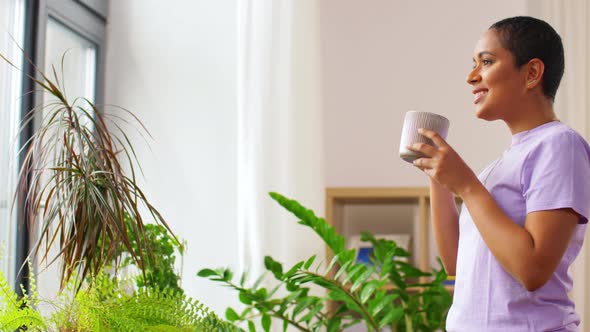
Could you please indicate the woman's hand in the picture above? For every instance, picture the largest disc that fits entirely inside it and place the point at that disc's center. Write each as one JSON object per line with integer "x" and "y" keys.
{"x": 443, "y": 164}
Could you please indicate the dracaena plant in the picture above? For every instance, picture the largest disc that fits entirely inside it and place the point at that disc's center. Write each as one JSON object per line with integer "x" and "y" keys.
{"x": 78, "y": 182}
{"x": 390, "y": 293}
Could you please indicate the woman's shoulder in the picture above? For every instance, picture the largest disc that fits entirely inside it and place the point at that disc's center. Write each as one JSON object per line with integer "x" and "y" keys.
{"x": 556, "y": 142}
{"x": 559, "y": 134}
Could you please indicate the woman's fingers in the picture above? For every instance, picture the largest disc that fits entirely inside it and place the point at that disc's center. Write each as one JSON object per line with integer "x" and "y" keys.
{"x": 423, "y": 163}
{"x": 434, "y": 136}
{"x": 426, "y": 149}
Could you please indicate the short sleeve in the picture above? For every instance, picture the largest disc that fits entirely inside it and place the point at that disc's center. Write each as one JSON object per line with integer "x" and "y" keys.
{"x": 556, "y": 175}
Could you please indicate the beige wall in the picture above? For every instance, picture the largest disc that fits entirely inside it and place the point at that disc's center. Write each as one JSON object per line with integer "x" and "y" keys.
{"x": 382, "y": 58}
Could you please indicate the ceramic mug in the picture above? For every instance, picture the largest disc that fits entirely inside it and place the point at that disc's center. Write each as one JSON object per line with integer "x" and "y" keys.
{"x": 414, "y": 120}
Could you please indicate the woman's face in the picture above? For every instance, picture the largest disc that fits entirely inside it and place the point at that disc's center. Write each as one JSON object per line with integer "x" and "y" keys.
{"x": 498, "y": 85}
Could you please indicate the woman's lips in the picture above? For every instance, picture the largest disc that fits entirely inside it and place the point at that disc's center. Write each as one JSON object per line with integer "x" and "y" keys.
{"x": 479, "y": 95}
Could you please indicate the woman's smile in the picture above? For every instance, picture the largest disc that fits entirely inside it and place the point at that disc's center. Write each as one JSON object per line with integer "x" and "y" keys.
{"x": 479, "y": 95}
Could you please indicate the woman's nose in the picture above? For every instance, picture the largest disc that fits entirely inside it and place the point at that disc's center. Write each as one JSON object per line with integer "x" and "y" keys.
{"x": 473, "y": 76}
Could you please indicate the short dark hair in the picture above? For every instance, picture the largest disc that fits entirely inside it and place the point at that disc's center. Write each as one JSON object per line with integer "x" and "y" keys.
{"x": 528, "y": 38}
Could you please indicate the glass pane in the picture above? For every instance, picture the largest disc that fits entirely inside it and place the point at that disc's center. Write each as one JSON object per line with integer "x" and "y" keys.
{"x": 11, "y": 36}
{"x": 78, "y": 55}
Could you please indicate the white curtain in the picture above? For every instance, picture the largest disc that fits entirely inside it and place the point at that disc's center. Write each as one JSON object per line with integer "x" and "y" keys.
{"x": 571, "y": 18}
{"x": 280, "y": 129}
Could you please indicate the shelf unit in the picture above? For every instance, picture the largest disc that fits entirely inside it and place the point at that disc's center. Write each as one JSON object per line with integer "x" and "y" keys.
{"x": 385, "y": 210}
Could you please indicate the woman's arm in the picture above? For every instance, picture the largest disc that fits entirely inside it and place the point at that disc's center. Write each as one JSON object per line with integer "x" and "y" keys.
{"x": 445, "y": 224}
{"x": 530, "y": 253}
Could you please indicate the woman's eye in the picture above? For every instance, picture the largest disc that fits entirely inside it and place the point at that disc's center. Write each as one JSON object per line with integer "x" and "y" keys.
{"x": 484, "y": 62}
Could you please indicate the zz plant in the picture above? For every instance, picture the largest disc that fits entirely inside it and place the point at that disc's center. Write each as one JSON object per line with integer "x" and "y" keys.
{"x": 386, "y": 294}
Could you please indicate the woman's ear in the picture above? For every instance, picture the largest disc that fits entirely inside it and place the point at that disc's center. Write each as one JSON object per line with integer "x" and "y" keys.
{"x": 534, "y": 73}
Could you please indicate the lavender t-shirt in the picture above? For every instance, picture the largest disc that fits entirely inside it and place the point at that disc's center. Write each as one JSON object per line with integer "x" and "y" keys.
{"x": 546, "y": 168}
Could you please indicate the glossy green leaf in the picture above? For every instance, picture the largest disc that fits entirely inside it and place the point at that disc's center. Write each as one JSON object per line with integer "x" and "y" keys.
{"x": 343, "y": 269}
{"x": 312, "y": 313}
{"x": 246, "y": 298}
{"x": 334, "y": 325}
{"x": 293, "y": 270}
{"x": 362, "y": 279}
{"x": 231, "y": 315}
{"x": 376, "y": 307}
{"x": 309, "y": 262}
{"x": 353, "y": 272}
{"x": 205, "y": 273}
{"x": 273, "y": 266}
{"x": 227, "y": 275}
{"x": 392, "y": 316}
{"x": 368, "y": 290}
{"x": 410, "y": 271}
{"x": 302, "y": 305}
{"x": 266, "y": 322}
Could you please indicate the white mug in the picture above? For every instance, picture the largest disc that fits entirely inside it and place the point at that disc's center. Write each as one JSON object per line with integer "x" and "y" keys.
{"x": 414, "y": 120}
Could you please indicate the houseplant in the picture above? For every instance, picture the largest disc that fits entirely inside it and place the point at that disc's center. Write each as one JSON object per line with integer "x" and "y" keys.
{"x": 106, "y": 306}
{"x": 78, "y": 183}
{"x": 78, "y": 195}
{"x": 357, "y": 293}
{"x": 160, "y": 270}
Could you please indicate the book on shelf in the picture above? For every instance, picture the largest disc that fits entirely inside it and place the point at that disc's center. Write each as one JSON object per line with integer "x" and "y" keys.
{"x": 365, "y": 249}
{"x": 450, "y": 281}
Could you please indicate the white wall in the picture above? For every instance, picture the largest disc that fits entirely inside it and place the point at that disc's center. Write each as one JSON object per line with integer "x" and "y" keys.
{"x": 382, "y": 58}
{"x": 174, "y": 66}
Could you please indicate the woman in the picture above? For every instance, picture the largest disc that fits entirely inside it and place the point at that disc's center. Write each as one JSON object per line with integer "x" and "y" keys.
{"x": 524, "y": 217}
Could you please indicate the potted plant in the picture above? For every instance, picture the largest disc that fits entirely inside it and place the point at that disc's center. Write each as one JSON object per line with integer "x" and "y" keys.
{"x": 80, "y": 192}
{"x": 389, "y": 294}
{"x": 79, "y": 183}
{"x": 106, "y": 306}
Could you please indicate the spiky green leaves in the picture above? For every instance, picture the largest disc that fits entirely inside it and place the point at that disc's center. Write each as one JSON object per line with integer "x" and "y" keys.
{"x": 78, "y": 182}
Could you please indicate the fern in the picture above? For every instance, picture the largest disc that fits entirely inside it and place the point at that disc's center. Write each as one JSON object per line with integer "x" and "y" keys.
{"x": 106, "y": 306}
{"x": 17, "y": 313}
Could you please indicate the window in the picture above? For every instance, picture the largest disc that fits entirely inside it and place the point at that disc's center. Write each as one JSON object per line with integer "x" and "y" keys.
{"x": 79, "y": 59}
{"x": 54, "y": 27}
{"x": 12, "y": 23}
{"x": 72, "y": 40}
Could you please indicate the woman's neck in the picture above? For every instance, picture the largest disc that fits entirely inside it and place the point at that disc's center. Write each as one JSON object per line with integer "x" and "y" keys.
{"x": 531, "y": 115}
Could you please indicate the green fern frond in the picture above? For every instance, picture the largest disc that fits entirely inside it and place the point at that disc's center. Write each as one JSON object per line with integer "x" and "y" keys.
{"x": 17, "y": 313}
{"x": 9, "y": 297}
{"x": 108, "y": 307}
{"x": 22, "y": 318}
